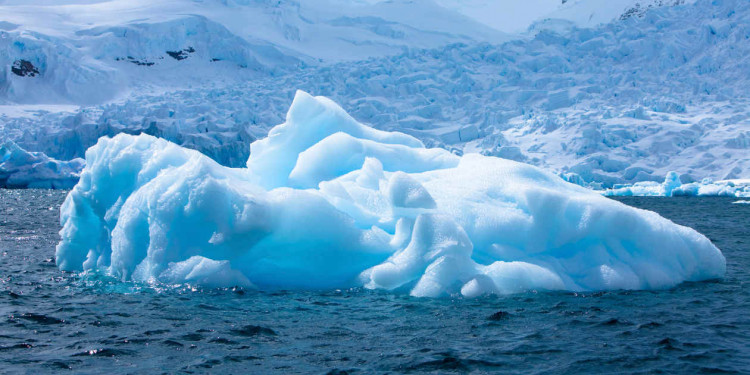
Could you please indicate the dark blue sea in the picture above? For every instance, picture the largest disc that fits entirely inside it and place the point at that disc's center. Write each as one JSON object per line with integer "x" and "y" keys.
{"x": 54, "y": 322}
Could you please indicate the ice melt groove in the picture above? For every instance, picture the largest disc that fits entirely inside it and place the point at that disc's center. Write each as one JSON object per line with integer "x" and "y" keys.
{"x": 327, "y": 202}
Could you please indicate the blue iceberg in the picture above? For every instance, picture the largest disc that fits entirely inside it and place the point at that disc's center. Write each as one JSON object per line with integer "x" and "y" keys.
{"x": 35, "y": 170}
{"x": 327, "y": 202}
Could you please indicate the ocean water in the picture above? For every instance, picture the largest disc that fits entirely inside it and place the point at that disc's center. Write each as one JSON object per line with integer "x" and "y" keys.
{"x": 55, "y": 322}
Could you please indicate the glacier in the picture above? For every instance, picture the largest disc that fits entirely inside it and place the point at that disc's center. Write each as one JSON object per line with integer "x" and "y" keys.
{"x": 615, "y": 103}
{"x": 327, "y": 202}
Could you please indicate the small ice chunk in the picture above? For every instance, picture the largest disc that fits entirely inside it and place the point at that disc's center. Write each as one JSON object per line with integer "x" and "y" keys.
{"x": 201, "y": 271}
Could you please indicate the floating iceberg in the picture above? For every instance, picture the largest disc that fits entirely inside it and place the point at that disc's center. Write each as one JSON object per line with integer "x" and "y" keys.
{"x": 22, "y": 169}
{"x": 326, "y": 202}
{"x": 673, "y": 187}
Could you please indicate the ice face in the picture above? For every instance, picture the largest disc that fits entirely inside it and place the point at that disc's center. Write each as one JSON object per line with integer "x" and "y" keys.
{"x": 327, "y": 202}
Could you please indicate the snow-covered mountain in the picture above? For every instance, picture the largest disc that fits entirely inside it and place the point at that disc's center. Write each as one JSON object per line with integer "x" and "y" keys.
{"x": 603, "y": 93}
{"x": 515, "y": 16}
{"x": 94, "y": 51}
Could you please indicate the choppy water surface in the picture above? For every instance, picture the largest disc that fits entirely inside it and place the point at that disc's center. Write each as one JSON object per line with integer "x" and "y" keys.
{"x": 52, "y": 321}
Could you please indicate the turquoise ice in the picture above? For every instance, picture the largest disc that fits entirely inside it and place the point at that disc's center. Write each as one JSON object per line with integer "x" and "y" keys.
{"x": 327, "y": 202}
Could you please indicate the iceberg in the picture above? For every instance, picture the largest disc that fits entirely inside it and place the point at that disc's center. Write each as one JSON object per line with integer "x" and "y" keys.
{"x": 327, "y": 202}
{"x": 22, "y": 169}
{"x": 673, "y": 187}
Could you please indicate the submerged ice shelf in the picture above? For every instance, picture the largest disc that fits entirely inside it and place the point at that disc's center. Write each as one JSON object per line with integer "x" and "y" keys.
{"x": 327, "y": 202}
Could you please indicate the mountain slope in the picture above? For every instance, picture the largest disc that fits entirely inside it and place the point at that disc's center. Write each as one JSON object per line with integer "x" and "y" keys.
{"x": 86, "y": 53}
{"x": 515, "y": 16}
{"x": 622, "y": 102}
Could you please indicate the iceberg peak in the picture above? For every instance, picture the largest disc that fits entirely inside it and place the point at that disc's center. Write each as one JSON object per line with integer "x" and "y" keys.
{"x": 310, "y": 121}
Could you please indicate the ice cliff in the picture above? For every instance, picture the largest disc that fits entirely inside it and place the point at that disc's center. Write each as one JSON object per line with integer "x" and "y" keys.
{"x": 327, "y": 202}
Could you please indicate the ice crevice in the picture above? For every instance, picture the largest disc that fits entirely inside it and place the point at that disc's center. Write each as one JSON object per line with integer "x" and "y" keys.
{"x": 327, "y": 202}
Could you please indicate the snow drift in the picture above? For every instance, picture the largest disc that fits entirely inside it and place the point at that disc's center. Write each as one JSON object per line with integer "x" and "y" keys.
{"x": 326, "y": 202}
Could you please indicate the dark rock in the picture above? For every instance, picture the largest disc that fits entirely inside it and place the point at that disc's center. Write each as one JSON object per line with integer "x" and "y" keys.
{"x": 131, "y": 59}
{"x": 181, "y": 55}
{"x": 24, "y": 68}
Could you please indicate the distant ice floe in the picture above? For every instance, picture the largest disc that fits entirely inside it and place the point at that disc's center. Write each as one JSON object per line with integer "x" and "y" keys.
{"x": 326, "y": 202}
{"x": 22, "y": 169}
{"x": 673, "y": 187}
